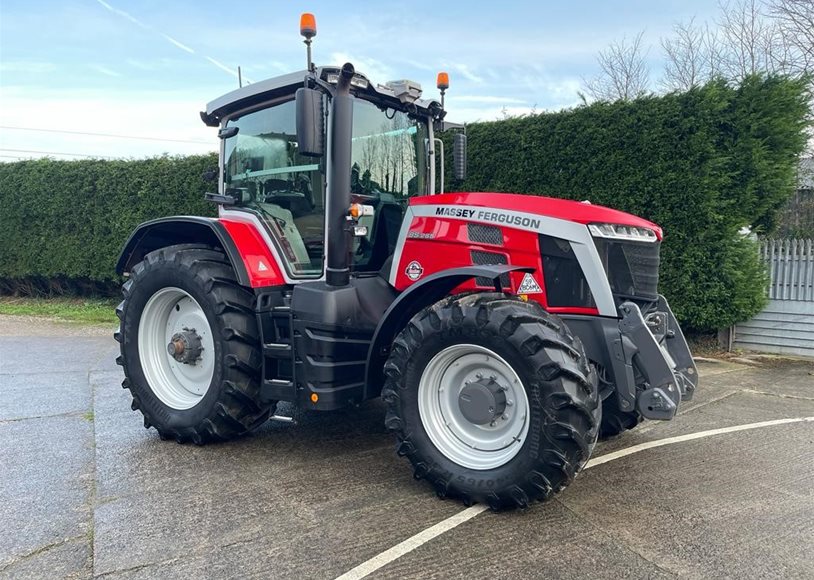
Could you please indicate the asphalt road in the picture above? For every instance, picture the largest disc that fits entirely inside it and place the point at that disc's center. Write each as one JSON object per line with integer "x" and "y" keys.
{"x": 86, "y": 491}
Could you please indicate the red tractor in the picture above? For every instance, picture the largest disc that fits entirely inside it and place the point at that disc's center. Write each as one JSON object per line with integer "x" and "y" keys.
{"x": 505, "y": 333}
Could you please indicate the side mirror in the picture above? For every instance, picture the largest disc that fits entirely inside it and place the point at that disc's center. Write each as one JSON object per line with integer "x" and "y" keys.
{"x": 459, "y": 156}
{"x": 310, "y": 123}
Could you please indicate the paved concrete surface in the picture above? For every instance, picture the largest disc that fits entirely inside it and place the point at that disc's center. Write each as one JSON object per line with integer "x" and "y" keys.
{"x": 86, "y": 491}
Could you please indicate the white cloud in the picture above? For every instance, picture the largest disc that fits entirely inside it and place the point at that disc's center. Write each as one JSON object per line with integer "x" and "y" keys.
{"x": 178, "y": 44}
{"x": 29, "y": 66}
{"x": 466, "y": 72}
{"x": 417, "y": 64}
{"x": 373, "y": 69}
{"x": 156, "y": 115}
{"x": 104, "y": 70}
{"x": 493, "y": 113}
{"x": 222, "y": 66}
{"x": 489, "y": 99}
{"x": 183, "y": 47}
{"x": 123, "y": 14}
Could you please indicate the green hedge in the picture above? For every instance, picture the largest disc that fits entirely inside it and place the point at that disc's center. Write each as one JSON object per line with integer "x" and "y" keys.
{"x": 701, "y": 164}
{"x": 63, "y": 223}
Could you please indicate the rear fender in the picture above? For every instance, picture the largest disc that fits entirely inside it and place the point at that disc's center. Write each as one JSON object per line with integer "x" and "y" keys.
{"x": 417, "y": 297}
{"x": 169, "y": 231}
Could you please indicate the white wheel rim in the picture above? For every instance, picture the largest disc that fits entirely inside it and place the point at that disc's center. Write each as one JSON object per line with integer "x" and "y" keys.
{"x": 471, "y": 445}
{"x": 168, "y": 312}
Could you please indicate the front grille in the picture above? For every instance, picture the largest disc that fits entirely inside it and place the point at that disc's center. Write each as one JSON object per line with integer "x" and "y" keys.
{"x": 565, "y": 282}
{"x": 632, "y": 267}
{"x": 480, "y": 258}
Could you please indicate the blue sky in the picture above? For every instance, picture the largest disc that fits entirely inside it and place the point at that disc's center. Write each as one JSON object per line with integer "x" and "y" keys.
{"x": 145, "y": 69}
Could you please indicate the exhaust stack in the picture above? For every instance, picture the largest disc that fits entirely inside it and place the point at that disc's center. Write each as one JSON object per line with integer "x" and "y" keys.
{"x": 337, "y": 271}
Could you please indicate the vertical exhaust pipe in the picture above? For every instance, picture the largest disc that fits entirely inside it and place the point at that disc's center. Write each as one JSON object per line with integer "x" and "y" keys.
{"x": 338, "y": 237}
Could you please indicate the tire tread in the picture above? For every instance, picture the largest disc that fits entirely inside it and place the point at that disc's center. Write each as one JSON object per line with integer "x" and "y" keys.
{"x": 572, "y": 406}
{"x": 238, "y": 409}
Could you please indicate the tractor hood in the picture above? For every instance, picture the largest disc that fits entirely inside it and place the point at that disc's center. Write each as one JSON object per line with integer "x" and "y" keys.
{"x": 575, "y": 211}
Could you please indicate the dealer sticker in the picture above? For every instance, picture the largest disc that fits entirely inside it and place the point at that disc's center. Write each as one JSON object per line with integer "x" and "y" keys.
{"x": 529, "y": 285}
{"x": 414, "y": 270}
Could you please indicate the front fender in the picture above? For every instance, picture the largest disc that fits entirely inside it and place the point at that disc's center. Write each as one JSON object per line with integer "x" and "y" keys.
{"x": 169, "y": 231}
{"x": 414, "y": 299}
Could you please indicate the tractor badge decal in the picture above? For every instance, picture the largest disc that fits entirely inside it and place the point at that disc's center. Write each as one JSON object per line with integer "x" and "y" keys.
{"x": 414, "y": 270}
{"x": 529, "y": 285}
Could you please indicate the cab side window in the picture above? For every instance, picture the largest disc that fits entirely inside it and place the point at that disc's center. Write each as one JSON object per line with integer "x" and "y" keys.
{"x": 266, "y": 175}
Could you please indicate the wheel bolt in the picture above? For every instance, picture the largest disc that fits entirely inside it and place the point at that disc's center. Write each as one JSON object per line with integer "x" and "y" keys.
{"x": 509, "y": 403}
{"x": 504, "y": 417}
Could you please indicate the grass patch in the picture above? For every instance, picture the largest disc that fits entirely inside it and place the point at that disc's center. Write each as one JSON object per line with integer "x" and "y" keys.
{"x": 79, "y": 310}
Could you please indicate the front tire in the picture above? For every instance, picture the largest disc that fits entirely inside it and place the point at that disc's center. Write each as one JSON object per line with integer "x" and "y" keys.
{"x": 497, "y": 349}
{"x": 615, "y": 421}
{"x": 190, "y": 347}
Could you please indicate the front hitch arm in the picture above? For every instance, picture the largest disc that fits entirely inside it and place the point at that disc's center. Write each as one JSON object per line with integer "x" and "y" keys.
{"x": 662, "y": 391}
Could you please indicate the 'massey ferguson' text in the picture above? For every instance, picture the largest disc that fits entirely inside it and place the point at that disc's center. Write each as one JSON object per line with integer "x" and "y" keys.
{"x": 489, "y": 216}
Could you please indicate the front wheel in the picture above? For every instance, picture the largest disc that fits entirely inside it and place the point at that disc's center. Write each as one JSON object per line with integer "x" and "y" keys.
{"x": 615, "y": 421}
{"x": 492, "y": 400}
{"x": 190, "y": 346}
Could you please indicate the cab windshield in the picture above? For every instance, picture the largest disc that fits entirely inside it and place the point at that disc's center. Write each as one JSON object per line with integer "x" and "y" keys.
{"x": 388, "y": 164}
{"x": 388, "y": 152}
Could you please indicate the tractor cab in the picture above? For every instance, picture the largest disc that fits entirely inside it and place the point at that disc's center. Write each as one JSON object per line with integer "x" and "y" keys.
{"x": 274, "y": 163}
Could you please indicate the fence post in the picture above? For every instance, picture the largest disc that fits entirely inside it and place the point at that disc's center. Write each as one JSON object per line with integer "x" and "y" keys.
{"x": 787, "y": 271}
{"x": 796, "y": 263}
{"x": 809, "y": 275}
{"x": 772, "y": 271}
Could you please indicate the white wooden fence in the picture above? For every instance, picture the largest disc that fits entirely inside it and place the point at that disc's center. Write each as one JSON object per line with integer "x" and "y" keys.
{"x": 786, "y": 325}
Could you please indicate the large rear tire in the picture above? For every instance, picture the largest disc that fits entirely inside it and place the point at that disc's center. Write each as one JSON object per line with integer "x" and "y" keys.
{"x": 190, "y": 347}
{"x": 540, "y": 419}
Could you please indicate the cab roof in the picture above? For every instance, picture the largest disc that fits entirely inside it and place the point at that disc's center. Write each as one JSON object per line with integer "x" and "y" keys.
{"x": 266, "y": 90}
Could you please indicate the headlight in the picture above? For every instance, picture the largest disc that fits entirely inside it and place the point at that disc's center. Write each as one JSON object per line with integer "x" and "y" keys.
{"x": 619, "y": 232}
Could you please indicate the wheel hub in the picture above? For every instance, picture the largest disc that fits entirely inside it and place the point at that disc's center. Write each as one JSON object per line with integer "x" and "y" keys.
{"x": 473, "y": 406}
{"x": 186, "y": 346}
{"x": 482, "y": 401}
{"x": 176, "y": 348}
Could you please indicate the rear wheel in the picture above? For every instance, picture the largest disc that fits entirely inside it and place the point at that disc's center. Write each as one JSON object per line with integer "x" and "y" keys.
{"x": 492, "y": 400}
{"x": 190, "y": 347}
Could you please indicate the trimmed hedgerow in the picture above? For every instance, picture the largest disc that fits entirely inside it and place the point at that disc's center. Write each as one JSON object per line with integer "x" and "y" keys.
{"x": 63, "y": 223}
{"x": 702, "y": 164}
